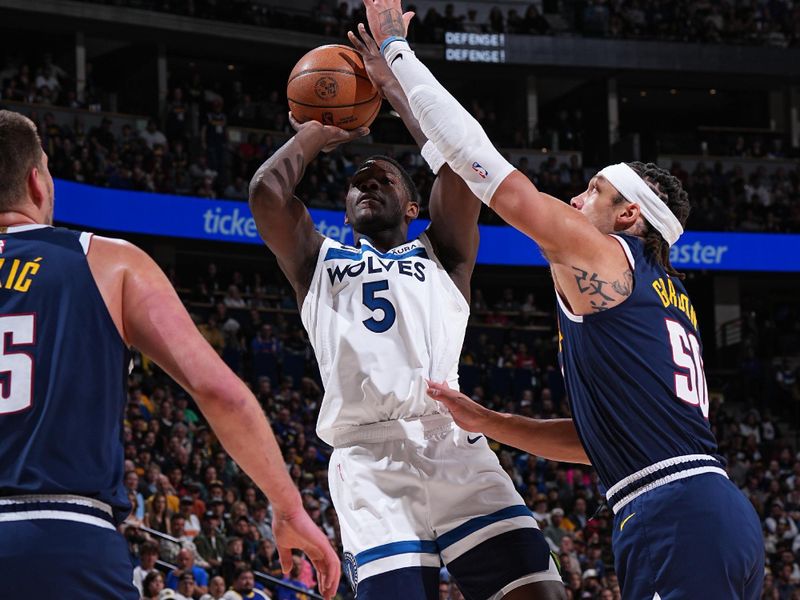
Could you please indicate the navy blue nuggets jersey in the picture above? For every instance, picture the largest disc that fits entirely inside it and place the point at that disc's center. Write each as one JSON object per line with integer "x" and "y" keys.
{"x": 634, "y": 375}
{"x": 63, "y": 368}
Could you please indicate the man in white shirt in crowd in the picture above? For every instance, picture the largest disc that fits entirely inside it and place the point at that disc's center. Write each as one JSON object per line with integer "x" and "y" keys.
{"x": 148, "y": 555}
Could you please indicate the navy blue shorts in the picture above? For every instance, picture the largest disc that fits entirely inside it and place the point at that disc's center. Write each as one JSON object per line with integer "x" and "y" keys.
{"x": 694, "y": 538}
{"x": 50, "y": 558}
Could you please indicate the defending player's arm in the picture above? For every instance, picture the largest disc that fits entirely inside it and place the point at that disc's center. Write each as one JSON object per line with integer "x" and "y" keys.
{"x": 553, "y": 439}
{"x": 566, "y": 236}
{"x": 453, "y": 208}
{"x": 150, "y": 316}
{"x": 282, "y": 219}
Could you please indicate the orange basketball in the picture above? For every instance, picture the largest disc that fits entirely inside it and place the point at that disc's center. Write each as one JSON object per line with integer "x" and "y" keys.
{"x": 330, "y": 85}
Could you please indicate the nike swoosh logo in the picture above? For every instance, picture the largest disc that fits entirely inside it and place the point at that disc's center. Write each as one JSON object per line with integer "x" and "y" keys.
{"x": 399, "y": 56}
{"x": 628, "y": 518}
{"x": 473, "y": 440}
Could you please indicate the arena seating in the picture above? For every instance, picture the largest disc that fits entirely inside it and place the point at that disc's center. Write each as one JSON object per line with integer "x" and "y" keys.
{"x": 508, "y": 363}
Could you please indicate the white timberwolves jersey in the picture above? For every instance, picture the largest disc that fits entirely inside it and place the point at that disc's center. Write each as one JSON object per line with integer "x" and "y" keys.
{"x": 381, "y": 323}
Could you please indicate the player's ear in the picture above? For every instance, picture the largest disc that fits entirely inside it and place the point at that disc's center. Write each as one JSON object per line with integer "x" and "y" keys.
{"x": 628, "y": 216}
{"x": 412, "y": 210}
{"x": 37, "y": 189}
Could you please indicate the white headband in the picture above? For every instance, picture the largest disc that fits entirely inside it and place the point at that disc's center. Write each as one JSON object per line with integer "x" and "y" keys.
{"x": 634, "y": 189}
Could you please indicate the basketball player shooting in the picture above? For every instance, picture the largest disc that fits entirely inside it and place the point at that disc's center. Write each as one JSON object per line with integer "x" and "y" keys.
{"x": 411, "y": 488}
{"x": 630, "y": 352}
{"x": 77, "y": 304}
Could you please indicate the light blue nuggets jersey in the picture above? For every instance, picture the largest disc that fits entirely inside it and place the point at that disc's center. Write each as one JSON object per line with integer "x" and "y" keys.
{"x": 381, "y": 323}
{"x": 634, "y": 374}
{"x": 63, "y": 371}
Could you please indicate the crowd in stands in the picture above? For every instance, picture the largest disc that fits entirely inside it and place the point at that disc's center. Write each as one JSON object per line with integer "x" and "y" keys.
{"x": 731, "y": 200}
{"x": 169, "y": 159}
{"x": 776, "y": 22}
{"x": 723, "y": 198}
{"x": 182, "y": 483}
{"x": 189, "y": 152}
{"x": 45, "y": 82}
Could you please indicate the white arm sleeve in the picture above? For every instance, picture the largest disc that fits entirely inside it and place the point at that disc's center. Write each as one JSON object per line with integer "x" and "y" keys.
{"x": 455, "y": 133}
{"x": 432, "y": 156}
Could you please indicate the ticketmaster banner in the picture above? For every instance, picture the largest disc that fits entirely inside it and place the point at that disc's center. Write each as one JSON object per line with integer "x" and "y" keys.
{"x": 226, "y": 221}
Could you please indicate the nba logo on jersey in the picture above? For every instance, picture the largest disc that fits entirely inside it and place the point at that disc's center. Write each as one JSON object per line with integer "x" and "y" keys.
{"x": 480, "y": 170}
{"x": 2, "y": 246}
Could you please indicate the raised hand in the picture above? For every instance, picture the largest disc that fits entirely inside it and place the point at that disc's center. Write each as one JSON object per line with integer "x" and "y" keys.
{"x": 386, "y": 19}
{"x": 334, "y": 136}
{"x": 297, "y": 530}
{"x": 378, "y": 71}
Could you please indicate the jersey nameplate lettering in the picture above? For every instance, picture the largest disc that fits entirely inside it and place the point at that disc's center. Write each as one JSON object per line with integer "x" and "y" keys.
{"x": 17, "y": 274}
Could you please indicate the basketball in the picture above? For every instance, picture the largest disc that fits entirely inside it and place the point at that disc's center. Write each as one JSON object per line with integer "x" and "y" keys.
{"x": 330, "y": 85}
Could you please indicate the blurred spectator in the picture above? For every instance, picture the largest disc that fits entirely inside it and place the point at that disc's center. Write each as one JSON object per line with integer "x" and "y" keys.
{"x": 177, "y": 125}
{"x": 158, "y": 515}
{"x": 152, "y": 136}
{"x": 152, "y": 585}
{"x": 187, "y": 587}
{"x": 555, "y": 532}
{"x": 244, "y": 585}
{"x": 266, "y": 559}
{"x": 148, "y": 555}
{"x": 237, "y": 189}
{"x": 186, "y": 567}
{"x": 210, "y": 545}
{"x": 216, "y": 589}
{"x": 131, "y": 482}
{"x": 294, "y": 579}
{"x": 191, "y": 523}
{"x": 534, "y": 22}
{"x": 233, "y": 298}
{"x": 233, "y": 561}
{"x": 213, "y": 333}
{"x": 213, "y": 136}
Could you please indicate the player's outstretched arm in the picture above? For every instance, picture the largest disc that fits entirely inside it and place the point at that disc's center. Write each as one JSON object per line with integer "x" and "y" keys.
{"x": 553, "y": 439}
{"x": 454, "y": 209}
{"x": 563, "y": 233}
{"x": 150, "y": 316}
{"x": 282, "y": 219}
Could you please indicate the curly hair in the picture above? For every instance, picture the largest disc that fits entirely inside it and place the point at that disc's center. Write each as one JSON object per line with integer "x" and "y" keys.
{"x": 667, "y": 187}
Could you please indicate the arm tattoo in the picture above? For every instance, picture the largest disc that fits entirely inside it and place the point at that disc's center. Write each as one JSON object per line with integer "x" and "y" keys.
{"x": 624, "y": 287}
{"x": 592, "y": 285}
{"x": 391, "y": 23}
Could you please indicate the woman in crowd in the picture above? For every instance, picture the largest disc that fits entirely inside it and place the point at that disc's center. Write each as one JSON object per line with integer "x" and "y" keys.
{"x": 157, "y": 515}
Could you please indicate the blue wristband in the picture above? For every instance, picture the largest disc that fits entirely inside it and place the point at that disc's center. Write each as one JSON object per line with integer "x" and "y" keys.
{"x": 390, "y": 39}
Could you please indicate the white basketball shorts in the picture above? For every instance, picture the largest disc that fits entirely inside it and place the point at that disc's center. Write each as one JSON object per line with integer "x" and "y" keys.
{"x": 412, "y": 494}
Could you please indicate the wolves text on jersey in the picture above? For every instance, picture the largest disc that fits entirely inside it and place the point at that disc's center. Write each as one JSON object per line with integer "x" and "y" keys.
{"x": 373, "y": 265}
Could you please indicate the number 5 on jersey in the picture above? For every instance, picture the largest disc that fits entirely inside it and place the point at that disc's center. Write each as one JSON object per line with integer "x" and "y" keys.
{"x": 690, "y": 382}
{"x": 373, "y": 302}
{"x": 16, "y": 392}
